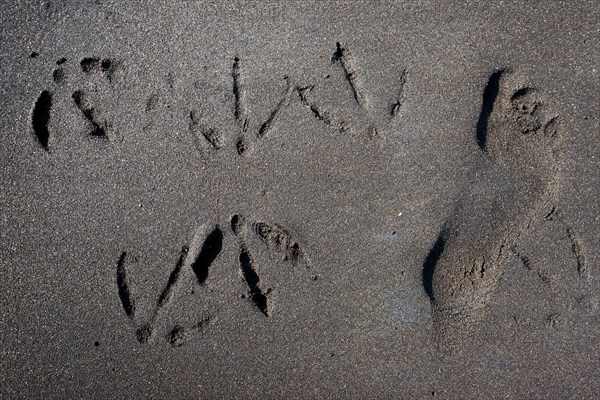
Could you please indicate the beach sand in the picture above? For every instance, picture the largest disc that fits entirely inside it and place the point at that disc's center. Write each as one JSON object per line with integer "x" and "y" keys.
{"x": 308, "y": 200}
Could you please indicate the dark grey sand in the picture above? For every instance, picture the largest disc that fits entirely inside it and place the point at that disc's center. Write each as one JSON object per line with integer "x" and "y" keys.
{"x": 351, "y": 200}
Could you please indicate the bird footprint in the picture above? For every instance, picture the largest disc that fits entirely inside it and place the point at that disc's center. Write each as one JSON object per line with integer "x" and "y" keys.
{"x": 198, "y": 257}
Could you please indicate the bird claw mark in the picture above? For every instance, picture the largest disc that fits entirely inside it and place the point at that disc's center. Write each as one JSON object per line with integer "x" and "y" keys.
{"x": 531, "y": 266}
{"x": 344, "y": 58}
{"x": 578, "y": 251}
{"x": 322, "y": 116}
{"x": 274, "y": 116}
{"x": 577, "y": 245}
{"x": 40, "y": 118}
{"x": 239, "y": 109}
{"x": 275, "y": 238}
{"x": 212, "y": 136}
{"x": 259, "y": 296}
{"x": 217, "y": 140}
{"x": 167, "y": 293}
{"x": 340, "y": 56}
{"x": 180, "y": 335}
{"x": 198, "y": 257}
{"x": 123, "y": 286}
{"x": 143, "y": 334}
{"x": 211, "y": 248}
{"x": 98, "y": 126}
{"x": 400, "y": 97}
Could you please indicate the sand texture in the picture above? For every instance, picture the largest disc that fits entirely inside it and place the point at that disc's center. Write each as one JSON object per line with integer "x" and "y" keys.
{"x": 306, "y": 200}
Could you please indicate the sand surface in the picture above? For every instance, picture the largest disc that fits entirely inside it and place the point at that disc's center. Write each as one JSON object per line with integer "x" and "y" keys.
{"x": 311, "y": 200}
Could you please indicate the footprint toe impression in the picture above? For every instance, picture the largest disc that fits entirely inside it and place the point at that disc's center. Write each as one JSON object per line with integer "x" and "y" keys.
{"x": 513, "y": 177}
